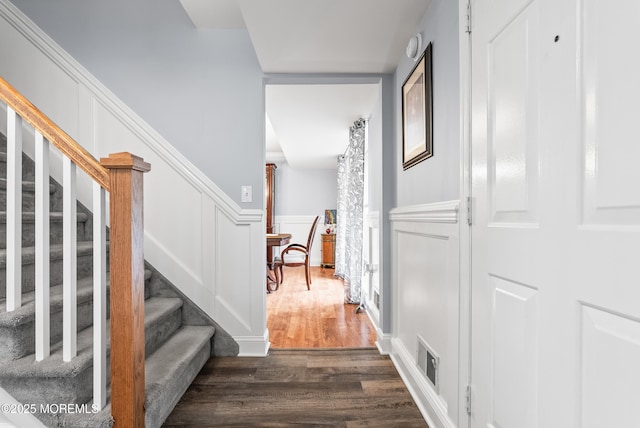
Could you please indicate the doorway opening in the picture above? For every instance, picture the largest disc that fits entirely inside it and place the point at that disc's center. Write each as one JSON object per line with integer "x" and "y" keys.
{"x": 307, "y": 128}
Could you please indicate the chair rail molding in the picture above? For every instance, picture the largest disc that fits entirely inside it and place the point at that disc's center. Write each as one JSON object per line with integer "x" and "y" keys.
{"x": 439, "y": 212}
{"x": 193, "y": 258}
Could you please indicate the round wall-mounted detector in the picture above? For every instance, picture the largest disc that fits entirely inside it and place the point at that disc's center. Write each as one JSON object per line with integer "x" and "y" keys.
{"x": 413, "y": 47}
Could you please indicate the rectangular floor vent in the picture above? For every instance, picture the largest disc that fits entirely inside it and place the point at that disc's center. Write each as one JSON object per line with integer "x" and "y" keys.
{"x": 428, "y": 362}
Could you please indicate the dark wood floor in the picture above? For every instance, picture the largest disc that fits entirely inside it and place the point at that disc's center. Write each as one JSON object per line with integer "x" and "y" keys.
{"x": 350, "y": 385}
{"x": 331, "y": 388}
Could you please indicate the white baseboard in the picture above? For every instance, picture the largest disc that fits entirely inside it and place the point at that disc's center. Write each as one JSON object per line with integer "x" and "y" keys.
{"x": 433, "y": 409}
{"x": 383, "y": 342}
{"x": 253, "y": 346}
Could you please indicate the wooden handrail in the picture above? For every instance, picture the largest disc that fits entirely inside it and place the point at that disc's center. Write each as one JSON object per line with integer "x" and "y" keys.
{"x": 52, "y": 132}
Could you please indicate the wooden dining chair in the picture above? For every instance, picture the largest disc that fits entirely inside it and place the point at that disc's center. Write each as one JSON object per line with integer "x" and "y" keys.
{"x": 297, "y": 255}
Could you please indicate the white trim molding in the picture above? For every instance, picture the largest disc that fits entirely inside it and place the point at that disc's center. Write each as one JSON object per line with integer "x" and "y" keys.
{"x": 428, "y": 401}
{"x": 440, "y": 212}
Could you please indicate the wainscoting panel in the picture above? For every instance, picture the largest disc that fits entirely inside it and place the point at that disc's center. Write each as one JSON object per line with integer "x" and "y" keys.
{"x": 610, "y": 370}
{"x": 195, "y": 235}
{"x": 371, "y": 279}
{"x": 298, "y": 226}
{"x": 426, "y": 307}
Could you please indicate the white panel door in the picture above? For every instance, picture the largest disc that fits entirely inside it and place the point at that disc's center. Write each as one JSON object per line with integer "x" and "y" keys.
{"x": 556, "y": 217}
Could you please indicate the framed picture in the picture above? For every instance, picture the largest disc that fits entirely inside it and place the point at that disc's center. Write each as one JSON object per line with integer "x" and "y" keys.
{"x": 417, "y": 113}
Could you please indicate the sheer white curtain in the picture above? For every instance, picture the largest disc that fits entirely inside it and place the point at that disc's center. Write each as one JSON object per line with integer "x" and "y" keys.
{"x": 349, "y": 217}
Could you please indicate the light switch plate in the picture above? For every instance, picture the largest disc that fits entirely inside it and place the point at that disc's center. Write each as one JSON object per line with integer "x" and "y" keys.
{"x": 246, "y": 193}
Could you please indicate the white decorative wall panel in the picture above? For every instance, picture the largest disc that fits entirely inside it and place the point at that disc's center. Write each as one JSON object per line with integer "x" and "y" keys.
{"x": 298, "y": 226}
{"x": 233, "y": 271}
{"x": 422, "y": 289}
{"x": 426, "y": 293}
{"x": 611, "y": 173}
{"x": 515, "y": 351}
{"x": 610, "y": 370}
{"x": 513, "y": 138}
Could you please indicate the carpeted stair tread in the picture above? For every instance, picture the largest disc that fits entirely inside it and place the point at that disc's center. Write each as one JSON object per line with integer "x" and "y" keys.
{"x": 170, "y": 370}
{"x": 53, "y": 366}
{"x": 30, "y": 217}
{"x": 26, "y": 312}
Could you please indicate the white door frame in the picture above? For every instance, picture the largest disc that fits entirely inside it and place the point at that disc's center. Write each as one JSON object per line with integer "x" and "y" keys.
{"x": 466, "y": 207}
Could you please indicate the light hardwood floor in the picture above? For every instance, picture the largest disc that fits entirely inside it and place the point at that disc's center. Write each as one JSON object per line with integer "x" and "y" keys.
{"x": 316, "y": 318}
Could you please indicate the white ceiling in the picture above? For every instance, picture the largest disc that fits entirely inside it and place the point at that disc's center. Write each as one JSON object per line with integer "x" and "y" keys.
{"x": 357, "y": 37}
{"x": 318, "y": 131}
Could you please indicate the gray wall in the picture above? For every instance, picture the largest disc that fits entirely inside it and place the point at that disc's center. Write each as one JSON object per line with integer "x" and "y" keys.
{"x": 302, "y": 191}
{"x": 200, "y": 89}
{"x": 437, "y": 178}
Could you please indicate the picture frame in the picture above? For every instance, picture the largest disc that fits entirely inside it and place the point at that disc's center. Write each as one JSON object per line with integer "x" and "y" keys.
{"x": 417, "y": 112}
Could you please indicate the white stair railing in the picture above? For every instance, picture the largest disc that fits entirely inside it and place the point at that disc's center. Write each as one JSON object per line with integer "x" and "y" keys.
{"x": 69, "y": 261}
{"x": 42, "y": 280}
{"x": 99, "y": 296}
{"x": 14, "y": 211}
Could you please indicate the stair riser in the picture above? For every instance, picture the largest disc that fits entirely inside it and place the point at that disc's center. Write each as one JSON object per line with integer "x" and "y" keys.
{"x": 20, "y": 340}
{"x": 52, "y": 390}
{"x": 29, "y": 199}
{"x": 84, "y": 268}
{"x": 55, "y": 233}
{"x": 161, "y": 331}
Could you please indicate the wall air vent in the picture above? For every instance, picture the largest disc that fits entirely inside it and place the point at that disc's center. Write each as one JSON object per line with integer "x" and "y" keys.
{"x": 376, "y": 299}
{"x": 428, "y": 362}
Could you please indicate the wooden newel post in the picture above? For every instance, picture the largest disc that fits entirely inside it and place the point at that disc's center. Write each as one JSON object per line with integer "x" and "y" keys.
{"x": 126, "y": 252}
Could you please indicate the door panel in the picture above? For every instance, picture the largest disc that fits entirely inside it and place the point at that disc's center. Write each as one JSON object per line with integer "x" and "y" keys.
{"x": 611, "y": 92}
{"x": 610, "y": 370}
{"x": 513, "y": 148}
{"x": 515, "y": 346}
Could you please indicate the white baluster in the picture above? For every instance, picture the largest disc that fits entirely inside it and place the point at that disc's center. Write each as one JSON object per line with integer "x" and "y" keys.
{"x": 14, "y": 210}
{"x": 70, "y": 254}
{"x": 99, "y": 297}
{"x": 42, "y": 248}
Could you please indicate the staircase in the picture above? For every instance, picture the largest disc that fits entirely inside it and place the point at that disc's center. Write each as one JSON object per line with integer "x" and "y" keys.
{"x": 179, "y": 338}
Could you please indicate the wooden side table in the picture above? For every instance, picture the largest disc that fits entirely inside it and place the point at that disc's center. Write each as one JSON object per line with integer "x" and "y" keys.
{"x": 328, "y": 250}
